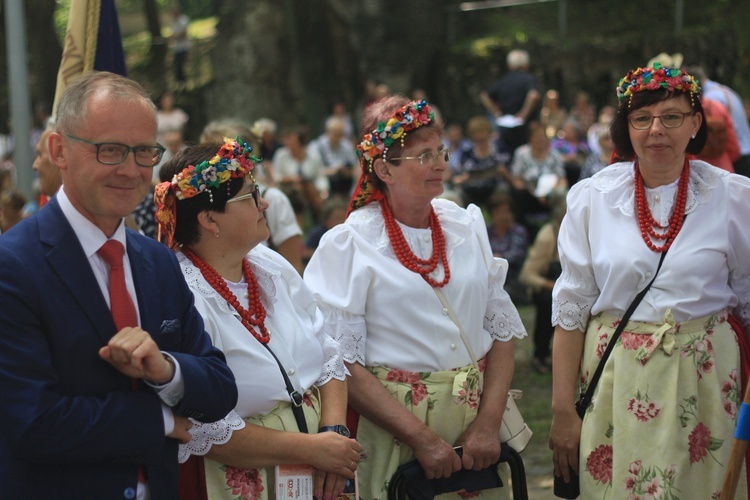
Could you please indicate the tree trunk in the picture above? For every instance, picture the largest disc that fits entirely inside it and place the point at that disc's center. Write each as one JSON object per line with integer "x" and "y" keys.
{"x": 44, "y": 51}
{"x": 157, "y": 61}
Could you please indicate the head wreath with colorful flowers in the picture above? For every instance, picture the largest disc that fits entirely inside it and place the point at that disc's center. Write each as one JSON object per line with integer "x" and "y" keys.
{"x": 656, "y": 78}
{"x": 376, "y": 143}
{"x": 233, "y": 160}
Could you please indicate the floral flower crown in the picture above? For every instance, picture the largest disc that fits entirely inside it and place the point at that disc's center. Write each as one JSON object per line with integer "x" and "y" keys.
{"x": 233, "y": 160}
{"x": 658, "y": 77}
{"x": 376, "y": 143}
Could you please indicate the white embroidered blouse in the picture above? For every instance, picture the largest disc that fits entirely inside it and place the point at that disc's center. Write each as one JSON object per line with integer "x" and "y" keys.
{"x": 606, "y": 262}
{"x": 386, "y": 315}
{"x": 309, "y": 356}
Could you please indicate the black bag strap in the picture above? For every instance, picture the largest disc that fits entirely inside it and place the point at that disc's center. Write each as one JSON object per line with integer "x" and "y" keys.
{"x": 585, "y": 400}
{"x": 294, "y": 395}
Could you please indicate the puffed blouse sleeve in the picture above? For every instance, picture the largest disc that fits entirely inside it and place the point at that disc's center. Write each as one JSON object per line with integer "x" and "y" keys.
{"x": 339, "y": 280}
{"x": 738, "y": 253}
{"x": 575, "y": 290}
{"x": 501, "y": 318}
{"x": 333, "y": 363}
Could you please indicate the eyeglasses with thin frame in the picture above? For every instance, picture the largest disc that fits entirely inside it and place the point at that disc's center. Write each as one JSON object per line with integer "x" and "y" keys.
{"x": 673, "y": 119}
{"x": 428, "y": 158}
{"x": 254, "y": 194}
{"x": 114, "y": 153}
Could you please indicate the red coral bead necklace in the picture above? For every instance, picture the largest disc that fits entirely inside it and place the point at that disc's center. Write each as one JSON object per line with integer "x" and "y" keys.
{"x": 408, "y": 258}
{"x": 646, "y": 222}
{"x": 253, "y": 318}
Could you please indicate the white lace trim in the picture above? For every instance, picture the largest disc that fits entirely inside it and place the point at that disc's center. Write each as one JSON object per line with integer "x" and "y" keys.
{"x": 349, "y": 331}
{"x": 455, "y": 221}
{"x": 333, "y": 367}
{"x": 502, "y": 320}
{"x": 204, "y": 436}
{"x": 742, "y": 288}
{"x": 265, "y": 271}
{"x": 618, "y": 183}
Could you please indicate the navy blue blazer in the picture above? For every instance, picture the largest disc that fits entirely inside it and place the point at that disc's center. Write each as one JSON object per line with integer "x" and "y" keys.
{"x": 71, "y": 425}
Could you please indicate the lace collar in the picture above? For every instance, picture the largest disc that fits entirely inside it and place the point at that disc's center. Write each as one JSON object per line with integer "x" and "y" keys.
{"x": 455, "y": 221}
{"x": 617, "y": 184}
{"x": 266, "y": 272}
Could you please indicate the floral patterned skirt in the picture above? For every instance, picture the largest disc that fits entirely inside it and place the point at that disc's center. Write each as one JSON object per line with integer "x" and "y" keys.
{"x": 432, "y": 398}
{"x": 225, "y": 482}
{"x": 662, "y": 418}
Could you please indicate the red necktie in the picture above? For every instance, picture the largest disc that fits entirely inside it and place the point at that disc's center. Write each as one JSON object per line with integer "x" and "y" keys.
{"x": 121, "y": 303}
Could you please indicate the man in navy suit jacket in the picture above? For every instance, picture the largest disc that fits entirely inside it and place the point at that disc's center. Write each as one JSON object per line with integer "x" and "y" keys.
{"x": 72, "y": 425}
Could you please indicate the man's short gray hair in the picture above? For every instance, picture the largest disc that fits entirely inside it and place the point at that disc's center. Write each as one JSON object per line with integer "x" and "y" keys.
{"x": 72, "y": 110}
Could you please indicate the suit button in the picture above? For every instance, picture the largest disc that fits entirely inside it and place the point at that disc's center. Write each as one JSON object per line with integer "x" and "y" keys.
{"x": 129, "y": 493}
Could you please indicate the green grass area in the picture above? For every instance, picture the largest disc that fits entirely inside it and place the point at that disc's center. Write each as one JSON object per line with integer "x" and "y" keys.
{"x": 535, "y": 408}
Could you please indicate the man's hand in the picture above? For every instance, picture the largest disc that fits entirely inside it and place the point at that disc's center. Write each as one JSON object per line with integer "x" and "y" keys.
{"x": 181, "y": 427}
{"x": 134, "y": 353}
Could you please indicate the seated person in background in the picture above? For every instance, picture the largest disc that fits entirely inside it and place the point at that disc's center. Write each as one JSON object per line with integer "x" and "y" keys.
{"x": 257, "y": 310}
{"x": 539, "y": 272}
{"x": 603, "y": 157}
{"x": 281, "y": 219}
{"x": 573, "y": 147}
{"x": 537, "y": 170}
{"x": 299, "y": 171}
{"x": 552, "y": 116}
{"x": 11, "y": 209}
{"x": 339, "y": 157}
{"x": 508, "y": 240}
{"x": 332, "y": 212}
{"x": 722, "y": 148}
{"x": 483, "y": 163}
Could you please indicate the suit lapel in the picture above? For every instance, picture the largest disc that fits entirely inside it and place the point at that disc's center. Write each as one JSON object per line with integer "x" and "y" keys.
{"x": 66, "y": 258}
{"x": 146, "y": 289}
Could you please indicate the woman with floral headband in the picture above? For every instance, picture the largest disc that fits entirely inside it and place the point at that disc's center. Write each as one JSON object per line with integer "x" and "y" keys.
{"x": 259, "y": 312}
{"x": 662, "y": 417}
{"x": 377, "y": 278}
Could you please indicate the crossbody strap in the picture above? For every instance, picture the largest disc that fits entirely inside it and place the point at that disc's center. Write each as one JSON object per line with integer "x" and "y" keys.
{"x": 585, "y": 400}
{"x": 465, "y": 339}
{"x": 294, "y": 395}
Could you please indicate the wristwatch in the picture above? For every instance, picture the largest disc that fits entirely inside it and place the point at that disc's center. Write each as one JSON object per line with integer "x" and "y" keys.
{"x": 339, "y": 429}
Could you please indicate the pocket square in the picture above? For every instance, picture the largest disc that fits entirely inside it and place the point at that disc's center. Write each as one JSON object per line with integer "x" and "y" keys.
{"x": 169, "y": 326}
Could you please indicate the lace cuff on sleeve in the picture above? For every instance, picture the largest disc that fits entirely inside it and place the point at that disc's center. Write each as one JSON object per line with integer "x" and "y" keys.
{"x": 742, "y": 288}
{"x": 334, "y": 362}
{"x": 349, "y": 331}
{"x": 502, "y": 321}
{"x": 204, "y": 436}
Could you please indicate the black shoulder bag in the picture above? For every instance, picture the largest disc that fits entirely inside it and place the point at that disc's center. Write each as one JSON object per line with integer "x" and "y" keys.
{"x": 572, "y": 489}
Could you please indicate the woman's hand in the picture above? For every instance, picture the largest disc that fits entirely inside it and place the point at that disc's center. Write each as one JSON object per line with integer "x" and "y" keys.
{"x": 481, "y": 446}
{"x": 335, "y": 459}
{"x": 437, "y": 458}
{"x": 564, "y": 438}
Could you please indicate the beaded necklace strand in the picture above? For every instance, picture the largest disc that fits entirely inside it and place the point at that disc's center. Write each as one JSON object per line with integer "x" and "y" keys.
{"x": 646, "y": 221}
{"x": 254, "y": 318}
{"x": 407, "y": 257}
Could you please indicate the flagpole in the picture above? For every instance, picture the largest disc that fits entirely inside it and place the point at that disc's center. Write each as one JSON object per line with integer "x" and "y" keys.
{"x": 20, "y": 101}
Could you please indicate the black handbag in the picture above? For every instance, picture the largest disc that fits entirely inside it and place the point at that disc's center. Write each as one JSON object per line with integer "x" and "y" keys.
{"x": 410, "y": 481}
{"x": 572, "y": 489}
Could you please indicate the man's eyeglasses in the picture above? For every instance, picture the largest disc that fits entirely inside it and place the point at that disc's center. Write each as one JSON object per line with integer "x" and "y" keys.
{"x": 254, "y": 194}
{"x": 428, "y": 158}
{"x": 674, "y": 119}
{"x": 113, "y": 153}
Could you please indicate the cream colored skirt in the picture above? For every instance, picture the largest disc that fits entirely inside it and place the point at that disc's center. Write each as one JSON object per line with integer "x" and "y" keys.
{"x": 662, "y": 418}
{"x": 430, "y": 397}
{"x": 224, "y": 482}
